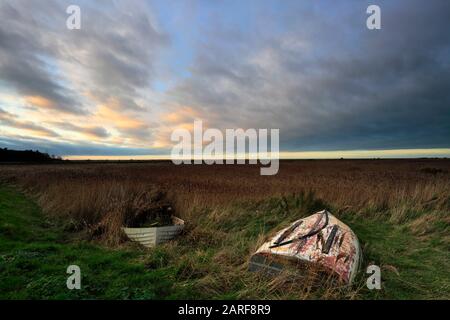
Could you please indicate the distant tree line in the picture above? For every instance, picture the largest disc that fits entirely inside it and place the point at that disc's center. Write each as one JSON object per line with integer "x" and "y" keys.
{"x": 7, "y": 155}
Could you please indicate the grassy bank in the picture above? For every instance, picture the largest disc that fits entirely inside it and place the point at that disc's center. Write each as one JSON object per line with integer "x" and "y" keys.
{"x": 35, "y": 253}
{"x": 210, "y": 259}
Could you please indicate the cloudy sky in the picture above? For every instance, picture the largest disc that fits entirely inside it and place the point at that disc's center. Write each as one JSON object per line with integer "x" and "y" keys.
{"x": 137, "y": 70}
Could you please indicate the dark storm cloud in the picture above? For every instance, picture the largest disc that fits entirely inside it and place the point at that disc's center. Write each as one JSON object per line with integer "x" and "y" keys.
{"x": 22, "y": 64}
{"x": 118, "y": 52}
{"x": 309, "y": 68}
{"x": 327, "y": 81}
{"x": 98, "y": 132}
{"x": 141, "y": 133}
{"x": 110, "y": 58}
{"x": 95, "y": 131}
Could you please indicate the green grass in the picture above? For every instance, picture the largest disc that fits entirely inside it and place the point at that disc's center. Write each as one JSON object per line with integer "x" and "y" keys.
{"x": 209, "y": 261}
{"x": 34, "y": 256}
{"x": 412, "y": 268}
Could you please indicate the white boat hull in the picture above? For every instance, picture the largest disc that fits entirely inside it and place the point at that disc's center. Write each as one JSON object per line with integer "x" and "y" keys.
{"x": 331, "y": 244}
{"x": 149, "y": 237}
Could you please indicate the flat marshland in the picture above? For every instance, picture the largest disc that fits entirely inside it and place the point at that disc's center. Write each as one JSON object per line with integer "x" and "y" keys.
{"x": 55, "y": 215}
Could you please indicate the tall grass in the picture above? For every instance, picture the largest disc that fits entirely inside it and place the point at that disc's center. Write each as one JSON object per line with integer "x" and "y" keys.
{"x": 356, "y": 184}
{"x": 230, "y": 210}
{"x": 101, "y": 196}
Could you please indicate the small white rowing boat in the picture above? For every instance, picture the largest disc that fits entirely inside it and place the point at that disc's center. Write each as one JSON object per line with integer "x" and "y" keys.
{"x": 149, "y": 237}
{"x": 320, "y": 239}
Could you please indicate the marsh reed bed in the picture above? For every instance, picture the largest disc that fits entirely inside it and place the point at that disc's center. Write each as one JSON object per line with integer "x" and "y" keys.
{"x": 398, "y": 208}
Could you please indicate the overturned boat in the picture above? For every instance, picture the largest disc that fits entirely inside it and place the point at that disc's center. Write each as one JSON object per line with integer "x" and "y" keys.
{"x": 318, "y": 240}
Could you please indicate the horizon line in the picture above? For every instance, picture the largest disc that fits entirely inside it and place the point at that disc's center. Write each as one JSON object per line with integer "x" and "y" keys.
{"x": 292, "y": 155}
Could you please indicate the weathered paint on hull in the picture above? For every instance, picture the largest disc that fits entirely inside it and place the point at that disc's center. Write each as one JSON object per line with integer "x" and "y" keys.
{"x": 149, "y": 237}
{"x": 335, "y": 247}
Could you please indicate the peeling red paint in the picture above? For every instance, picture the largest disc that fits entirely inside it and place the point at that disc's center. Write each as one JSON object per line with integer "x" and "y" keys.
{"x": 343, "y": 257}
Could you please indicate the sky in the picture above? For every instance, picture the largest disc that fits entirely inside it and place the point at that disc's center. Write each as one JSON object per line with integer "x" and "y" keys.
{"x": 137, "y": 70}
